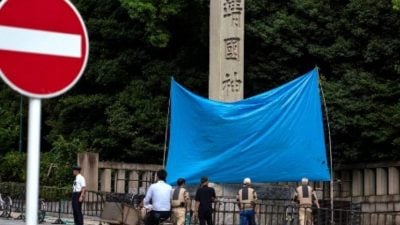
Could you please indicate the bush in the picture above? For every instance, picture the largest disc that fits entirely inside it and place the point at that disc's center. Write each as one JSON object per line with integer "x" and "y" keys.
{"x": 55, "y": 167}
{"x": 13, "y": 167}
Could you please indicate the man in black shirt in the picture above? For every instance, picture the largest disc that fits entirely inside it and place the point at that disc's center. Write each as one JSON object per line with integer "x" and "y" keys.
{"x": 205, "y": 196}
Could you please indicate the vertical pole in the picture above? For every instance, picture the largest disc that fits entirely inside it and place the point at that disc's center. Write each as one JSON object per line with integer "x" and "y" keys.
{"x": 32, "y": 193}
{"x": 330, "y": 154}
{"x": 166, "y": 133}
{"x": 21, "y": 114}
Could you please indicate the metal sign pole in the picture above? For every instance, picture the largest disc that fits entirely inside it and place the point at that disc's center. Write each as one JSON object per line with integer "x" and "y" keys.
{"x": 32, "y": 183}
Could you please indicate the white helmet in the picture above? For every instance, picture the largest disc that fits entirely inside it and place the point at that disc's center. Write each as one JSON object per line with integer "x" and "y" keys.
{"x": 304, "y": 181}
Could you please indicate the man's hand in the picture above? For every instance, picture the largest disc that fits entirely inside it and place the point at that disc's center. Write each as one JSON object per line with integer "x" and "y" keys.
{"x": 82, "y": 196}
{"x": 195, "y": 216}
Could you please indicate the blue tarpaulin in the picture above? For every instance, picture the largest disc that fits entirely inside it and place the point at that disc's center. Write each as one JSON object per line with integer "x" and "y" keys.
{"x": 275, "y": 136}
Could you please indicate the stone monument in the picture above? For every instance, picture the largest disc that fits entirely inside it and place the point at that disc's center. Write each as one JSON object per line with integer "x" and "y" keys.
{"x": 226, "y": 50}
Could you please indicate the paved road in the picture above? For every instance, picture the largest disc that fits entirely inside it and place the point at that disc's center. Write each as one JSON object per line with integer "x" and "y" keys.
{"x": 48, "y": 221}
{"x": 4, "y": 221}
{"x": 11, "y": 222}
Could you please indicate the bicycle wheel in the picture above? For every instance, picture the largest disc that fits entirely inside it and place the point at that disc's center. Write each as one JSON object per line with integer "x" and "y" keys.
{"x": 7, "y": 207}
{"x": 42, "y": 211}
{"x": 1, "y": 203}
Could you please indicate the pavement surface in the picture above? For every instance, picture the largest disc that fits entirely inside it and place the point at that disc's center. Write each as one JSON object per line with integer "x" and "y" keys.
{"x": 10, "y": 222}
{"x": 49, "y": 220}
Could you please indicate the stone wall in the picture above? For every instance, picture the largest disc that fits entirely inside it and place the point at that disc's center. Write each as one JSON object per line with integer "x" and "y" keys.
{"x": 135, "y": 178}
{"x": 361, "y": 180}
{"x": 374, "y": 186}
{"x": 114, "y": 176}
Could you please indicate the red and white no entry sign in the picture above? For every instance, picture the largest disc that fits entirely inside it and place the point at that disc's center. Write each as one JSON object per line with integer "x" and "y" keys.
{"x": 43, "y": 46}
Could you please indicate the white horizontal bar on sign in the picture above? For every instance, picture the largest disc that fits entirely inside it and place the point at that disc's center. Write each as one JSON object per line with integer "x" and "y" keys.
{"x": 40, "y": 42}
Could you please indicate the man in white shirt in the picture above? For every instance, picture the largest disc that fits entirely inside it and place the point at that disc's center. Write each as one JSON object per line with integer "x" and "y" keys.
{"x": 78, "y": 195}
{"x": 158, "y": 199}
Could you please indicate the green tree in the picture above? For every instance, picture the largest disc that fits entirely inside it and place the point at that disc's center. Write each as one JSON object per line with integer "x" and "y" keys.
{"x": 356, "y": 46}
{"x": 9, "y": 122}
{"x": 396, "y": 4}
{"x": 13, "y": 167}
{"x": 154, "y": 15}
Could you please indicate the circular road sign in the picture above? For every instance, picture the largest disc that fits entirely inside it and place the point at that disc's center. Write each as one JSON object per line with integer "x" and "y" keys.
{"x": 44, "y": 46}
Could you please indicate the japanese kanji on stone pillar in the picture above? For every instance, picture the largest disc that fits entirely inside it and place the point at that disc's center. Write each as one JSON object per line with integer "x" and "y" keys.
{"x": 226, "y": 50}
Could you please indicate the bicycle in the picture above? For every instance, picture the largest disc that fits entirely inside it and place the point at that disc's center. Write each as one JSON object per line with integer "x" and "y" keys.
{"x": 41, "y": 212}
{"x": 290, "y": 215}
{"x": 6, "y": 206}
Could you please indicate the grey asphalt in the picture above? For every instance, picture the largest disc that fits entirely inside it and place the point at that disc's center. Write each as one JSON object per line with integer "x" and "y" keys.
{"x": 4, "y": 221}
{"x": 48, "y": 220}
{"x": 10, "y": 222}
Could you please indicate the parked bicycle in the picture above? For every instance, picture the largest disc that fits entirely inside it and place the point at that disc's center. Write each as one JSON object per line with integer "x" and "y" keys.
{"x": 6, "y": 206}
{"x": 41, "y": 212}
{"x": 291, "y": 215}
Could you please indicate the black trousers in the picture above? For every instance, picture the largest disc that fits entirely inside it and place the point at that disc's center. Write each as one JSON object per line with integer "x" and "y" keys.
{"x": 205, "y": 216}
{"x": 155, "y": 217}
{"x": 77, "y": 208}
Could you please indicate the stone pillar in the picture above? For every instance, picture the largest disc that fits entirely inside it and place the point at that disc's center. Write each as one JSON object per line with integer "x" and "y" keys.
{"x": 147, "y": 179}
{"x": 226, "y": 50}
{"x": 120, "y": 181}
{"x": 345, "y": 183}
{"x": 369, "y": 182}
{"x": 133, "y": 182}
{"x": 381, "y": 181}
{"x": 105, "y": 182}
{"x": 326, "y": 194}
{"x": 336, "y": 185}
{"x": 357, "y": 183}
{"x": 397, "y": 219}
{"x": 393, "y": 180}
{"x": 89, "y": 162}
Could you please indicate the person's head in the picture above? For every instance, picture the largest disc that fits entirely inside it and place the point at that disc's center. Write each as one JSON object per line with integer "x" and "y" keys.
{"x": 180, "y": 182}
{"x": 76, "y": 170}
{"x": 204, "y": 181}
{"x": 304, "y": 181}
{"x": 246, "y": 181}
{"x": 162, "y": 175}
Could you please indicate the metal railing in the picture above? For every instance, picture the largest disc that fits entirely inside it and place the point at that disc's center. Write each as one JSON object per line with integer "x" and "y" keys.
{"x": 226, "y": 211}
{"x": 56, "y": 200}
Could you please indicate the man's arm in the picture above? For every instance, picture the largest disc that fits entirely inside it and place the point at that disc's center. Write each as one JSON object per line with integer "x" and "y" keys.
{"x": 83, "y": 188}
{"x": 315, "y": 199}
{"x": 197, "y": 198}
{"x": 187, "y": 199}
{"x": 82, "y": 196}
{"x": 147, "y": 198}
{"x": 256, "y": 208}
{"x": 214, "y": 197}
{"x": 316, "y": 203}
{"x": 295, "y": 197}
{"x": 238, "y": 200}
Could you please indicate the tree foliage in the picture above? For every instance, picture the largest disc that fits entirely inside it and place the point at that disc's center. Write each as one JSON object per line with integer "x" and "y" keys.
{"x": 119, "y": 108}
{"x": 9, "y": 122}
{"x": 154, "y": 15}
{"x": 356, "y": 46}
